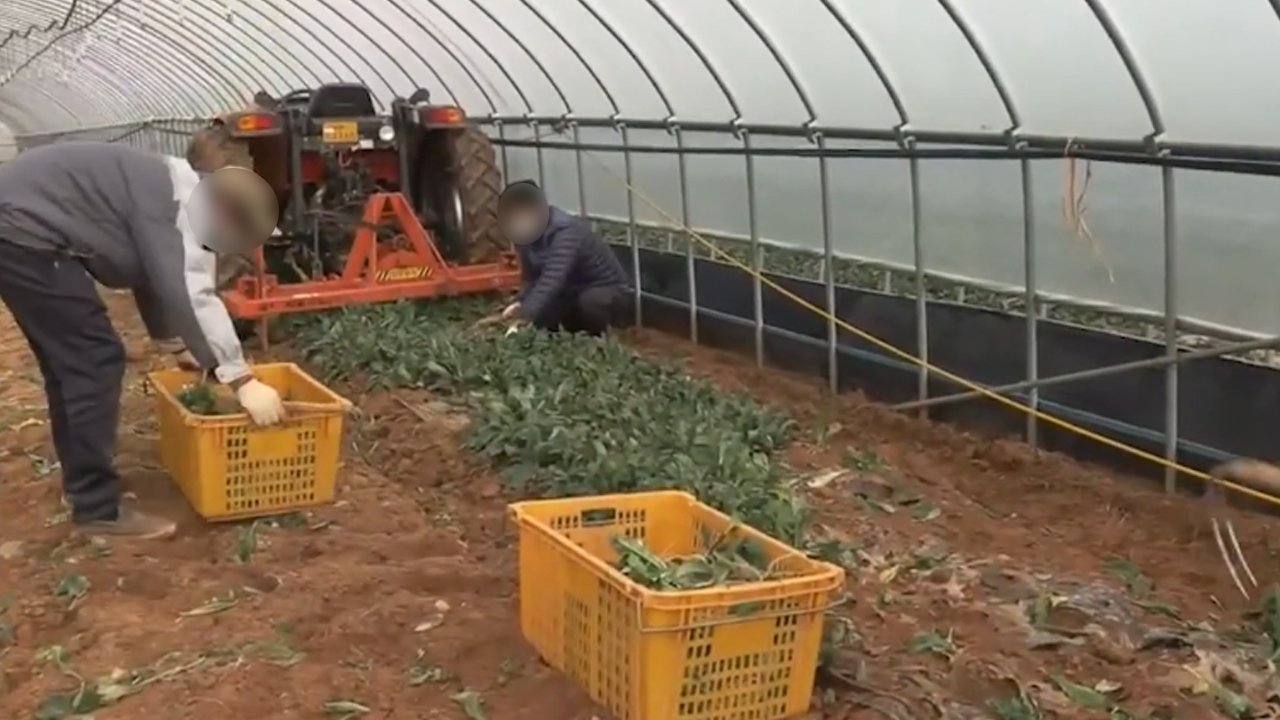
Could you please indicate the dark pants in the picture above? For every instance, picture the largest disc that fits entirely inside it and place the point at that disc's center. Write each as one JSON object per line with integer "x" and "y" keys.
{"x": 589, "y": 311}
{"x": 54, "y": 301}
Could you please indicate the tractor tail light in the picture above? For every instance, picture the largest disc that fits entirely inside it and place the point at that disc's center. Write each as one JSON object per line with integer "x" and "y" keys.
{"x": 255, "y": 124}
{"x": 442, "y": 115}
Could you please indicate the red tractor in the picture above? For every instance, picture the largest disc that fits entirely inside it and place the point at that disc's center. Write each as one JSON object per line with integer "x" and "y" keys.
{"x": 374, "y": 207}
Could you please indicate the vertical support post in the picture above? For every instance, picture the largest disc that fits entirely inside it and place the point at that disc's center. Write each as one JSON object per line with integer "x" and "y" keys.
{"x": 632, "y": 236}
{"x": 828, "y": 263}
{"x": 757, "y": 252}
{"x": 502, "y": 148}
{"x": 1170, "y": 325}
{"x": 582, "y": 175}
{"x": 690, "y": 257}
{"x": 922, "y": 300}
{"x": 1030, "y": 300}
{"x": 537, "y": 149}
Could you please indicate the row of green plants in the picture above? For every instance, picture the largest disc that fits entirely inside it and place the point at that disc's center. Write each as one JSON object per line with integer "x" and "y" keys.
{"x": 565, "y": 415}
{"x": 876, "y": 277}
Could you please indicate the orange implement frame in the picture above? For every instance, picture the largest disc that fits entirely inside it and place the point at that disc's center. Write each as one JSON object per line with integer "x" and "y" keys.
{"x": 406, "y": 266}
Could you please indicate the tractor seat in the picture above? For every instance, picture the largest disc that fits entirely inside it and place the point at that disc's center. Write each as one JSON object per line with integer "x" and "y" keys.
{"x": 341, "y": 100}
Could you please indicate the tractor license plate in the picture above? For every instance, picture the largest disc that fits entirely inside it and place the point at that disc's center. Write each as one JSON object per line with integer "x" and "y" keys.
{"x": 346, "y": 133}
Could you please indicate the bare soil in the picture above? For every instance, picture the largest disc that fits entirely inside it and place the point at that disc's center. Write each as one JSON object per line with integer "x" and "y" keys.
{"x": 401, "y": 597}
{"x": 962, "y": 535}
{"x": 398, "y": 598}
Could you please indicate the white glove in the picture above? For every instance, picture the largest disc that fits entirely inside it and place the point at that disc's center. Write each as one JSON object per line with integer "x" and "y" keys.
{"x": 511, "y": 311}
{"x": 262, "y": 402}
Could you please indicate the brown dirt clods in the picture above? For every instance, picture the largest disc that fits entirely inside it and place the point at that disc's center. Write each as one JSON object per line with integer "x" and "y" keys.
{"x": 986, "y": 580}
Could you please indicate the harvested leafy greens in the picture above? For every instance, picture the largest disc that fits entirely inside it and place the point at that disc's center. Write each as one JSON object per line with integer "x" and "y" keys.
{"x": 204, "y": 399}
{"x": 723, "y": 564}
{"x": 569, "y": 416}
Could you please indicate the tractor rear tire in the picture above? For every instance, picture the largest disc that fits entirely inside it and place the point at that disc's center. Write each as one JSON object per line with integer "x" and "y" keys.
{"x": 480, "y": 184}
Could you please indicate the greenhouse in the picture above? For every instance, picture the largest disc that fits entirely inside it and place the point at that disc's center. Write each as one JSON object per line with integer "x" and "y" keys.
{"x": 952, "y": 295}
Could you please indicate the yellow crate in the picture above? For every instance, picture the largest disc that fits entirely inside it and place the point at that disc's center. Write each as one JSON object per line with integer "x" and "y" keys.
{"x": 742, "y": 652}
{"x": 231, "y": 469}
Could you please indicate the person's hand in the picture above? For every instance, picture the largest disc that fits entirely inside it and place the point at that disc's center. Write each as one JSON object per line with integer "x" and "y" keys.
{"x": 511, "y": 311}
{"x": 261, "y": 402}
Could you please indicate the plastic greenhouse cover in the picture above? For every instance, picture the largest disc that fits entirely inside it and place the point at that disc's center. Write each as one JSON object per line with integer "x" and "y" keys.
{"x": 1191, "y": 70}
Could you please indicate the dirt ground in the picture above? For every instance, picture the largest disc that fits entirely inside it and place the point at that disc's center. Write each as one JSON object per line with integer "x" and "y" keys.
{"x": 970, "y": 539}
{"x": 400, "y": 601}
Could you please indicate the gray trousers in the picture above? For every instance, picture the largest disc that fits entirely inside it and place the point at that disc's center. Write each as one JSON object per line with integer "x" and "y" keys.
{"x": 591, "y": 311}
{"x": 54, "y": 301}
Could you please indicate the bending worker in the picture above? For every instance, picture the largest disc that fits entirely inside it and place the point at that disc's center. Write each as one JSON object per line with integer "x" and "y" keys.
{"x": 571, "y": 280}
{"x": 76, "y": 212}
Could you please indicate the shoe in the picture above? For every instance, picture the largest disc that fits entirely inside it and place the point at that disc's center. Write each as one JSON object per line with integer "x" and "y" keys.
{"x": 131, "y": 523}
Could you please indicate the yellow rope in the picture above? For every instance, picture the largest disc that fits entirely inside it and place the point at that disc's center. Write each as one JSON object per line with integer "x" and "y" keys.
{"x": 904, "y": 355}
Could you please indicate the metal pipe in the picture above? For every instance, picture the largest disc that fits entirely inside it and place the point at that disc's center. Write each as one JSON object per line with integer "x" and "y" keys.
{"x": 502, "y": 147}
{"x": 1000, "y": 139}
{"x": 633, "y": 237}
{"x": 690, "y": 260}
{"x": 757, "y": 253}
{"x": 581, "y": 172}
{"x": 1108, "y": 426}
{"x": 1131, "y": 65}
{"x": 1149, "y": 364}
{"x": 828, "y": 267}
{"x": 1170, "y": 329}
{"x": 1185, "y": 325}
{"x": 988, "y": 63}
{"x": 837, "y": 12}
{"x": 448, "y": 49}
{"x": 694, "y": 47}
{"x": 542, "y": 173}
{"x": 775, "y": 52}
{"x": 466, "y": 31}
{"x": 515, "y": 38}
{"x": 554, "y": 28}
{"x": 635, "y": 57}
{"x": 1269, "y": 168}
{"x": 922, "y": 300}
{"x": 1029, "y": 279}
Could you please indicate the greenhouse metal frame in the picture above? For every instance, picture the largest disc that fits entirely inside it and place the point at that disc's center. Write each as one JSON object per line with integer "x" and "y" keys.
{"x": 534, "y": 73}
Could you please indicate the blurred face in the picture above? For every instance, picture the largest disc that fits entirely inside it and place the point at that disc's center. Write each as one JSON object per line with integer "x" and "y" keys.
{"x": 525, "y": 226}
{"x": 226, "y": 230}
{"x": 522, "y": 214}
{"x": 232, "y": 211}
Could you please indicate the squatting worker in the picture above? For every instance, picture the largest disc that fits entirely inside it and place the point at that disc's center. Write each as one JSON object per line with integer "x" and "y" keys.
{"x": 76, "y": 212}
{"x": 571, "y": 280}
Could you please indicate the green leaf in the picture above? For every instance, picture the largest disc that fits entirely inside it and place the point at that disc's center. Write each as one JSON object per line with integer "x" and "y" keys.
{"x": 344, "y": 709}
{"x": 925, "y": 512}
{"x": 72, "y": 586}
{"x": 932, "y": 643}
{"x": 561, "y": 415}
{"x": 1082, "y": 695}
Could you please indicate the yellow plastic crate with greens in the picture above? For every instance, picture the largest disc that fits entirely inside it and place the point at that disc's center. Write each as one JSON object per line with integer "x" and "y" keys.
{"x": 662, "y": 608}
{"x": 230, "y": 469}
